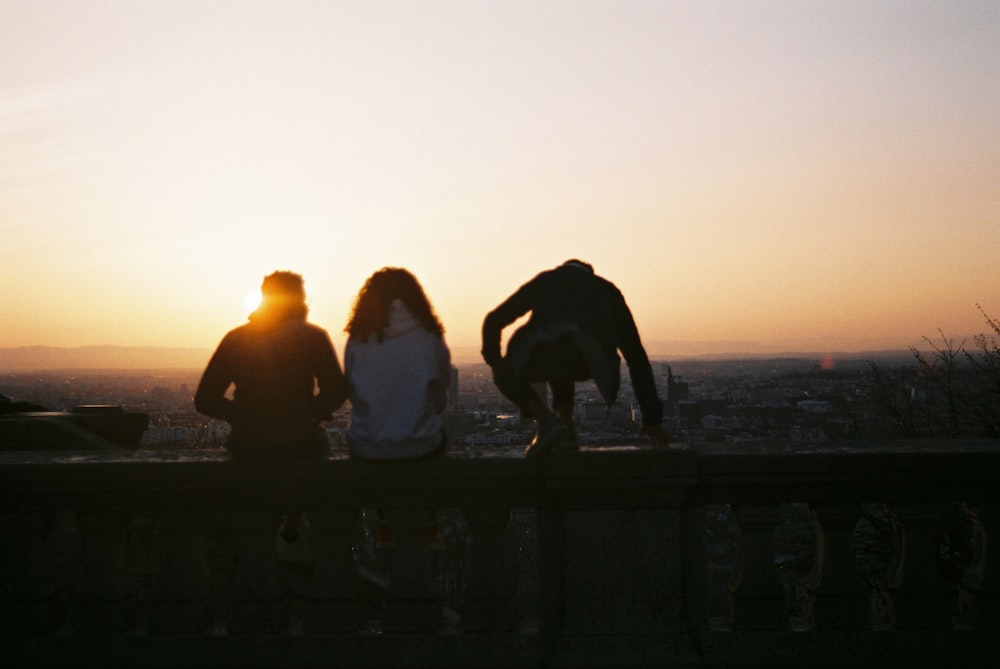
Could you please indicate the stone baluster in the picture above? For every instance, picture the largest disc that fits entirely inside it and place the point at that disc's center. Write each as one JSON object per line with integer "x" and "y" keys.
{"x": 623, "y": 571}
{"x": 332, "y": 596}
{"x": 105, "y": 593}
{"x": 65, "y": 548}
{"x": 141, "y": 558}
{"x": 551, "y": 537}
{"x": 411, "y": 603}
{"x": 27, "y": 594}
{"x": 756, "y": 599}
{"x": 980, "y": 584}
{"x": 922, "y": 599}
{"x": 839, "y": 597}
{"x": 621, "y": 584}
{"x": 489, "y": 603}
{"x": 178, "y": 603}
{"x": 221, "y": 557}
{"x": 257, "y": 604}
{"x": 694, "y": 563}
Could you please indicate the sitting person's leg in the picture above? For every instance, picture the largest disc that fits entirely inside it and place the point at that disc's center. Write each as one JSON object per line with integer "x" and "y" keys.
{"x": 518, "y": 390}
{"x": 567, "y": 366}
{"x": 562, "y": 400}
{"x": 564, "y": 365}
{"x": 559, "y": 363}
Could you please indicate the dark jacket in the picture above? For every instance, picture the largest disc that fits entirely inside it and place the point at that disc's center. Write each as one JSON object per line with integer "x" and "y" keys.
{"x": 275, "y": 364}
{"x": 572, "y": 299}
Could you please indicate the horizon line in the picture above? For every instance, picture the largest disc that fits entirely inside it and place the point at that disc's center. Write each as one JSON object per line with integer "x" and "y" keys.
{"x": 111, "y": 357}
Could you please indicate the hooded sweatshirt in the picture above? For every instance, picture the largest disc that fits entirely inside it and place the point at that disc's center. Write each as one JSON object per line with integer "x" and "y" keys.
{"x": 275, "y": 361}
{"x": 398, "y": 389}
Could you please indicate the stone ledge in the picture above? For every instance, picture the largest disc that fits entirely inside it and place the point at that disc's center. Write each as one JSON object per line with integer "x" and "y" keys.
{"x": 153, "y": 479}
{"x": 932, "y": 470}
{"x": 99, "y": 427}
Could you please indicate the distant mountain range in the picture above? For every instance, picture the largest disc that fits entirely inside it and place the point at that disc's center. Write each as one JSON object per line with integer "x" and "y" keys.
{"x": 835, "y": 347}
{"x": 40, "y": 358}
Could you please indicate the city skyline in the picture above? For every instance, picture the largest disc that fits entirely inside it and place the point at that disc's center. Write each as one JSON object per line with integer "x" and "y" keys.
{"x": 811, "y": 176}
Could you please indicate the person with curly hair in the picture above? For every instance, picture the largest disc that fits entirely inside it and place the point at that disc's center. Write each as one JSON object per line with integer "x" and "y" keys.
{"x": 398, "y": 369}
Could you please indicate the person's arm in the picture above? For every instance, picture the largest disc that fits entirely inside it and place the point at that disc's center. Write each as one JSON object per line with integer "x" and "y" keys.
{"x": 509, "y": 311}
{"x": 639, "y": 369}
{"x": 329, "y": 377}
{"x": 210, "y": 399}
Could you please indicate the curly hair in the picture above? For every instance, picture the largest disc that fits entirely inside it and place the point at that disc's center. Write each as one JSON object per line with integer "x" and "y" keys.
{"x": 370, "y": 314}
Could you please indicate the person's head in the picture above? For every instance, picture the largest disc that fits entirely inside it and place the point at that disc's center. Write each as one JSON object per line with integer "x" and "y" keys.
{"x": 573, "y": 262}
{"x": 283, "y": 295}
{"x": 370, "y": 314}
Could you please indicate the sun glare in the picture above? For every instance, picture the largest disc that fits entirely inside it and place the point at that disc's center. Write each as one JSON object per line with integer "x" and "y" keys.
{"x": 251, "y": 300}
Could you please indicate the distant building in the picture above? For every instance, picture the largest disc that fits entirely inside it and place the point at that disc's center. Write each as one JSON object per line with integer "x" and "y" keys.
{"x": 589, "y": 412}
{"x": 713, "y": 407}
{"x": 677, "y": 391}
{"x": 769, "y": 397}
{"x": 690, "y": 412}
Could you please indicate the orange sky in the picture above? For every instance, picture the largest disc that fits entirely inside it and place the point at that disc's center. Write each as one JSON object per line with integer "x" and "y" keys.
{"x": 793, "y": 175}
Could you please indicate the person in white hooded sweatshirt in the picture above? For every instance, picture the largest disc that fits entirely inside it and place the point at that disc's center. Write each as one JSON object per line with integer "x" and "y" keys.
{"x": 398, "y": 369}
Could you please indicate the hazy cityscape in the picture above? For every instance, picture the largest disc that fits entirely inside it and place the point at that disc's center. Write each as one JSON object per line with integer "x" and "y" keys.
{"x": 783, "y": 399}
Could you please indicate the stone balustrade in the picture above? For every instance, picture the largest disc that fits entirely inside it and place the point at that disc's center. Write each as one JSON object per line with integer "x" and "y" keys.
{"x": 764, "y": 555}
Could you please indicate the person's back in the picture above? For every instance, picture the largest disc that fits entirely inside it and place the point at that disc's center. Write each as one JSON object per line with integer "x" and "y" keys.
{"x": 274, "y": 364}
{"x": 398, "y": 368}
{"x": 567, "y": 294}
{"x": 274, "y": 380}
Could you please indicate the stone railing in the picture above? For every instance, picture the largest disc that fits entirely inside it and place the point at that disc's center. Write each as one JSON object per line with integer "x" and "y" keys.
{"x": 850, "y": 554}
{"x": 606, "y": 557}
{"x": 92, "y": 427}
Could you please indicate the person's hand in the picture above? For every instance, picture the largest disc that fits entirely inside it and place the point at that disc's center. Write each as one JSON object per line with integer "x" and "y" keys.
{"x": 657, "y": 434}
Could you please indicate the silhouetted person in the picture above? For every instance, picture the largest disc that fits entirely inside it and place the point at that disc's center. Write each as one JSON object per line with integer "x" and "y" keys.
{"x": 275, "y": 363}
{"x": 579, "y": 321}
{"x": 398, "y": 369}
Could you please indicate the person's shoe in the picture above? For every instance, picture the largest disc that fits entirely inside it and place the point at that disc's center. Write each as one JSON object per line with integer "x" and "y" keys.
{"x": 570, "y": 444}
{"x": 550, "y": 432}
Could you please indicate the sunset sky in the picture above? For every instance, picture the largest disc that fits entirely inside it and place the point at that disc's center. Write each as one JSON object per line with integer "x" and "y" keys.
{"x": 791, "y": 176}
